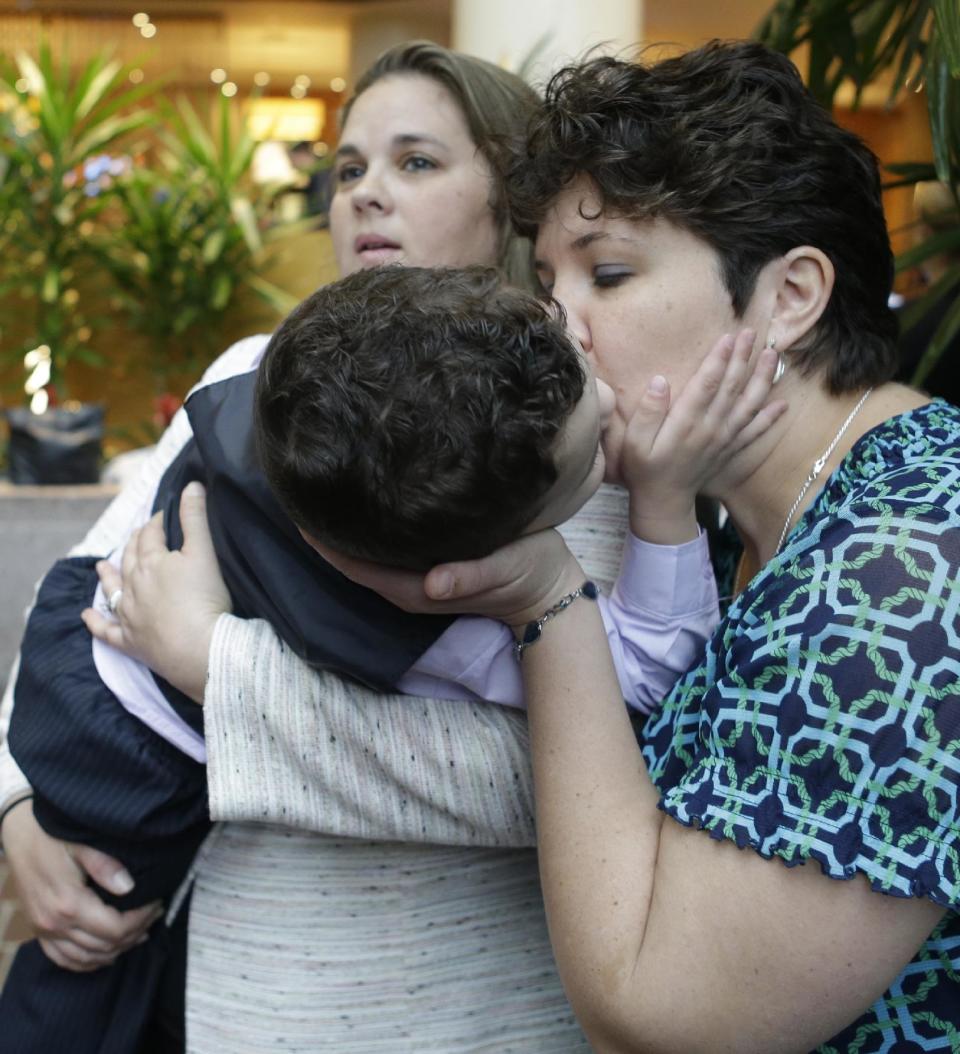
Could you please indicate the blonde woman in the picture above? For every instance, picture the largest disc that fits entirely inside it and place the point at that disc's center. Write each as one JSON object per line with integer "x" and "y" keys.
{"x": 415, "y": 922}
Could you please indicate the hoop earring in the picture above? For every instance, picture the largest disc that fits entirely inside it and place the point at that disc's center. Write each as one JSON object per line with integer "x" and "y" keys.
{"x": 781, "y": 362}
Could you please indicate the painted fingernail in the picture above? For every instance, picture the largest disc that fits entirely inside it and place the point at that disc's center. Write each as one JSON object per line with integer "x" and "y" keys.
{"x": 657, "y": 385}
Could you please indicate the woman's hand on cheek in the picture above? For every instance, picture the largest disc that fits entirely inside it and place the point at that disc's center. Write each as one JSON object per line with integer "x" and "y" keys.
{"x": 170, "y": 600}
{"x": 515, "y": 584}
{"x": 675, "y": 449}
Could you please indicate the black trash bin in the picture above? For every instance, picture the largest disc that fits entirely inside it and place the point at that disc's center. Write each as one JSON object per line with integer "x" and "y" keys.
{"x": 61, "y": 445}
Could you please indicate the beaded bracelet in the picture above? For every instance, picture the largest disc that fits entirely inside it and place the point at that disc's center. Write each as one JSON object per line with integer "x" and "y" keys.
{"x": 533, "y": 630}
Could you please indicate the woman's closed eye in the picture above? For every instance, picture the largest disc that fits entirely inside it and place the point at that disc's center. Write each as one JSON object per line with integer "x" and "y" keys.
{"x": 607, "y": 276}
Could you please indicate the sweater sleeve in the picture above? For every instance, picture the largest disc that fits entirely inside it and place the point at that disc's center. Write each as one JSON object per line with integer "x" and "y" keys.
{"x": 288, "y": 745}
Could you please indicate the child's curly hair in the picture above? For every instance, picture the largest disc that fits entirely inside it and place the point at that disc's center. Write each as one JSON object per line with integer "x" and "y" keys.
{"x": 410, "y": 415}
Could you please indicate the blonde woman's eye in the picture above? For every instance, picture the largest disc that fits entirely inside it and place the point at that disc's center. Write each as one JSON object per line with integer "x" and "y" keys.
{"x": 348, "y": 173}
{"x": 418, "y": 163}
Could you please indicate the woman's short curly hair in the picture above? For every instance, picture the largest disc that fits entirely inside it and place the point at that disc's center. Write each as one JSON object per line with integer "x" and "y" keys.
{"x": 726, "y": 142}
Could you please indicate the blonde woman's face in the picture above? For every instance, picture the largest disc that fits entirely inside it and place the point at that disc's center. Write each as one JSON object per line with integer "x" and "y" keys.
{"x": 411, "y": 187}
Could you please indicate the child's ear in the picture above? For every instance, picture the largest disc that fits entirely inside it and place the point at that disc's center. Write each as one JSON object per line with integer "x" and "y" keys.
{"x": 803, "y": 281}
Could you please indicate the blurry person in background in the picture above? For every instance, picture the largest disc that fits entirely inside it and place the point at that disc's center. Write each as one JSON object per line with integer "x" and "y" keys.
{"x": 312, "y": 177}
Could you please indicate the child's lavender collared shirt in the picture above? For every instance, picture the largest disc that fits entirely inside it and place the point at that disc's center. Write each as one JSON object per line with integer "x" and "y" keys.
{"x": 659, "y": 615}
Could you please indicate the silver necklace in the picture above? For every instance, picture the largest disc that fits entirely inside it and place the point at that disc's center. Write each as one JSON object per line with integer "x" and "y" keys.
{"x": 818, "y": 468}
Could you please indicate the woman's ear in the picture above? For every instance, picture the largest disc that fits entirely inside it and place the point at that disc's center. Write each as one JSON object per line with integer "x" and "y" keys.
{"x": 803, "y": 280}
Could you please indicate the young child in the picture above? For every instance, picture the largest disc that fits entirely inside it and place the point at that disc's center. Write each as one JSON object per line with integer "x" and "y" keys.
{"x": 404, "y": 414}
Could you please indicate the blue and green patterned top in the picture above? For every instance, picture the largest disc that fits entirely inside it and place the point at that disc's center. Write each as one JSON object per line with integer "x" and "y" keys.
{"x": 824, "y": 722}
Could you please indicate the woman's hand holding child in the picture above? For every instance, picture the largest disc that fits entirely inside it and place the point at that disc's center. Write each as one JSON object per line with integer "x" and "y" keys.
{"x": 154, "y": 623}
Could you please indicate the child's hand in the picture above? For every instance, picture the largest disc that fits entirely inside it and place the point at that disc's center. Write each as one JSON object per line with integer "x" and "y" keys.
{"x": 672, "y": 451}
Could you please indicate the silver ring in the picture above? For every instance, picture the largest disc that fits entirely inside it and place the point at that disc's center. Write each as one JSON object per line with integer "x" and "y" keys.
{"x": 114, "y": 602}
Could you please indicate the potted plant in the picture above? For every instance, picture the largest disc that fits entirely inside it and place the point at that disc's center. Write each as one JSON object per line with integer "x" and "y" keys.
{"x": 188, "y": 238}
{"x": 911, "y": 44}
{"x": 54, "y": 183}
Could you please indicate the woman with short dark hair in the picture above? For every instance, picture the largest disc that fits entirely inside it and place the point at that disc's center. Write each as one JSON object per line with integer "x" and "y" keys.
{"x": 671, "y": 203}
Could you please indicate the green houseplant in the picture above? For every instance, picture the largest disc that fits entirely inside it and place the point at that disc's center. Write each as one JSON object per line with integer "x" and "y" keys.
{"x": 57, "y": 122}
{"x": 190, "y": 236}
{"x": 908, "y": 44}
